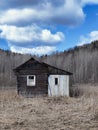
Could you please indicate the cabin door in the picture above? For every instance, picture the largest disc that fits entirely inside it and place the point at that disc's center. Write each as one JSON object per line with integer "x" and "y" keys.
{"x": 58, "y": 85}
{"x": 53, "y": 85}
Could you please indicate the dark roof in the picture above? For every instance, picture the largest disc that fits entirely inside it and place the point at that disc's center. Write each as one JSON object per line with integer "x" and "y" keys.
{"x": 44, "y": 64}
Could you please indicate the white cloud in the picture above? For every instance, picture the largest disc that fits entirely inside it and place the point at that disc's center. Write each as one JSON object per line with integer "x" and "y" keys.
{"x": 31, "y": 35}
{"x": 42, "y": 50}
{"x": 92, "y": 36}
{"x": 85, "y": 2}
{"x": 46, "y": 36}
{"x": 31, "y": 39}
{"x": 20, "y": 4}
{"x": 65, "y": 14}
{"x": 15, "y": 15}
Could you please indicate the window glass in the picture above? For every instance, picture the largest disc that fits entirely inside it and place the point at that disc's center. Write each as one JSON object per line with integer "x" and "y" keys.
{"x": 31, "y": 77}
{"x": 56, "y": 81}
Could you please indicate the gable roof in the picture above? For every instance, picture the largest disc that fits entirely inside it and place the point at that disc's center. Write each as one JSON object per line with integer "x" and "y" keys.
{"x": 50, "y": 67}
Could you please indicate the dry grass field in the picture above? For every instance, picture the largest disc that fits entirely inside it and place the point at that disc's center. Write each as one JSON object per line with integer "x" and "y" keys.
{"x": 44, "y": 113}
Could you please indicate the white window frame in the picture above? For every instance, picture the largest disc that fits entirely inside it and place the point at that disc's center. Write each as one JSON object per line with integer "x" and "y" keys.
{"x": 31, "y": 82}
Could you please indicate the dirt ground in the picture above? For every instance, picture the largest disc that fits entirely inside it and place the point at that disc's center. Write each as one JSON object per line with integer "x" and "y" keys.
{"x": 44, "y": 113}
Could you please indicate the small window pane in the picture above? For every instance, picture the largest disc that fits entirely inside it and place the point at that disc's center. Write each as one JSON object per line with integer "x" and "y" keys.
{"x": 31, "y": 77}
{"x": 56, "y": 81}
{"x": 31, "y": 80}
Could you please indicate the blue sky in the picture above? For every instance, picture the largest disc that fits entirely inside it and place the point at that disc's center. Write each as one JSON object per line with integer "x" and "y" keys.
{"x": 44, "y": 26}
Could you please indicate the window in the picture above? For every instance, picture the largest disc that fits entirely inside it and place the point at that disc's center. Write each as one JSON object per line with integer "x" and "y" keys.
{"x": 31, "y": 80}
{"x": 56, "y": 81}
{"x": 31, "y": 77}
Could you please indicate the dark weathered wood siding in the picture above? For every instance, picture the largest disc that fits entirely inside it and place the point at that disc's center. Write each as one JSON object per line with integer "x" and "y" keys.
{"x": 32, "y": 68}
{"x": 41, "y": 87}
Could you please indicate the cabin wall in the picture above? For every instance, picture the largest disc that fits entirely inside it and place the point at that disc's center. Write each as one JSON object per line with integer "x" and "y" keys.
{"x": 59, "y": 89}
{"x": 40, "y": 72}
{"x": 40, "y": 88}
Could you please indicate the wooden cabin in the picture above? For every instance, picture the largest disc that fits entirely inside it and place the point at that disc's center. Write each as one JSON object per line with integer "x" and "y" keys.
{"x": 36, "y": 78}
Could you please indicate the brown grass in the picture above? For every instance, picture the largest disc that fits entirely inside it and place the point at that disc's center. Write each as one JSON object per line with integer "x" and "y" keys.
{"x": 62, "y": 113}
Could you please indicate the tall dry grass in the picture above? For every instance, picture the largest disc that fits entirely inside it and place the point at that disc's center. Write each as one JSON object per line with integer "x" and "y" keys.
{"x": 50, "y": 113}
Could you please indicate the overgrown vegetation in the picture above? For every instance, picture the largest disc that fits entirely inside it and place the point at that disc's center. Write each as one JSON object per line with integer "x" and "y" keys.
{"x": 62, "y": 113}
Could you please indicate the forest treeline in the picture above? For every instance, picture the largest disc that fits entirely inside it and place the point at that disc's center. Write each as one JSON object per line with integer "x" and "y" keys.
{"x": 8, "y": 61}
{"x": 82, "y": 61}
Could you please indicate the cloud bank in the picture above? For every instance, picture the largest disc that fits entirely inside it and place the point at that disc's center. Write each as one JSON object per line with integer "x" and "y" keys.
{"x": 30, "y": 34}
{"x": 21, "y": 22}
{"x": 92, "y": 36}
{"x": 31, "y": 39}
{"x": 64, "y": 13}
{"x": 42, "y": 50}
